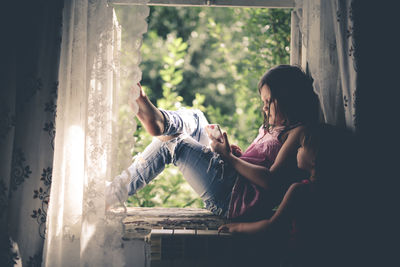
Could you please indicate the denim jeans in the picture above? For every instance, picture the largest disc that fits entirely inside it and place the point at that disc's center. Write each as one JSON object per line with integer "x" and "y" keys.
{"x": 204, "y": 170}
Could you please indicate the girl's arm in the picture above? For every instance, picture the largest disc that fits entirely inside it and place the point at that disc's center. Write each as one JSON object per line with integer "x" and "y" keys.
{"x": 260, "y": 175}
{"x": 278, "y": 221}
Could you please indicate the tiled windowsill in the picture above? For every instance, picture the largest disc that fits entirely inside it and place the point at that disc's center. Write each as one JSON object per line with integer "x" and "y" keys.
{"x": 181, "y": 237}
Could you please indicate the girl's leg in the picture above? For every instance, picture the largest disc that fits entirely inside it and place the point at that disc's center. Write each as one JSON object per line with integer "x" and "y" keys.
{"x": 206, "y": 172}
{"x": 145, "y": 168}
{"x": 203, "y": 169}
{"x": 192, "y": 158}
{"x": 171, "y": 123}
{"x": 149, "y": 115}
{"x": 153, "y": 159}
{"x": 190, "y": 122}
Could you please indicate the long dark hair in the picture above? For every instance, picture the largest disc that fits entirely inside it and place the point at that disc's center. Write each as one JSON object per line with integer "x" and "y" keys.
{"x": 293, "y": 91}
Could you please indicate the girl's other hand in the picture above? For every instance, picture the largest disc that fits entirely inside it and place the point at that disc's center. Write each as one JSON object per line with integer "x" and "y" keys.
{"x": 230, "y": 228}
{"x": 237, "y": 151}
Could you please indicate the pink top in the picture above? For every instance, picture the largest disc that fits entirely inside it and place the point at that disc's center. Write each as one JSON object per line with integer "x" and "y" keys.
{"x": 249, "y": 200}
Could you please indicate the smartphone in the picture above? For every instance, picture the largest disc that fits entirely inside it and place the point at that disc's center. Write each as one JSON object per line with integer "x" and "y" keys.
{"x": 214, "y": 132}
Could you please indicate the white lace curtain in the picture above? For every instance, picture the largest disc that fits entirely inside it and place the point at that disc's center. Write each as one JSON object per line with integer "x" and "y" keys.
{"x": 328, "y": 53}
{"x": 79, "y": 230}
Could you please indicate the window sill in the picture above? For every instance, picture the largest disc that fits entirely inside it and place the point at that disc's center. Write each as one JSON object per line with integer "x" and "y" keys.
{"x": 189, "y": 237}
{"x": 144, "y": 223}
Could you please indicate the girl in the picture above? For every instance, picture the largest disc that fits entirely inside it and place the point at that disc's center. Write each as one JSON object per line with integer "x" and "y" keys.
{"x": 312, "y": 207}
{"x": 231, "y": 183}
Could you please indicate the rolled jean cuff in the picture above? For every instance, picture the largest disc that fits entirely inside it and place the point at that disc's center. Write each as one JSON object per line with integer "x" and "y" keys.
{"x": 166, "y": 121}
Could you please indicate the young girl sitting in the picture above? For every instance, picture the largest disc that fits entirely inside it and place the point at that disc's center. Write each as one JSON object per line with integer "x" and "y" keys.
{"x": 232, "y": 183}
{"x": 313, "y": 209}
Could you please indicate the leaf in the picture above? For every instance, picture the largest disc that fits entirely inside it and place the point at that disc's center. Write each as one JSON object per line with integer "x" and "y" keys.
{"x": 177, "y": 80}
{"x": 168, "y": 60}
{"x": 177, "y": 42}
{"x": 182, "y": 47}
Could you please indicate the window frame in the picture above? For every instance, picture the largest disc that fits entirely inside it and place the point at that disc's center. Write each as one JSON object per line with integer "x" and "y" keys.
{"x": 297, "y": 50}
{"x": 210, "y": 3}
{"x": 296, "y": 47}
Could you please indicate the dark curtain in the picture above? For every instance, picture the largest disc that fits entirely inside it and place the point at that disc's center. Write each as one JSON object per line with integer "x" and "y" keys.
{"x": 30, "y": 48}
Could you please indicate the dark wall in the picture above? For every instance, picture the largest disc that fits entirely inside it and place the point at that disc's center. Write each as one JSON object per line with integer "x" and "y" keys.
{"x": 376, "y": 34}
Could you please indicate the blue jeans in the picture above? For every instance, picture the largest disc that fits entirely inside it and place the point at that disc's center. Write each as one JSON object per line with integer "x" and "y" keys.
{"x": 204, "y": 170}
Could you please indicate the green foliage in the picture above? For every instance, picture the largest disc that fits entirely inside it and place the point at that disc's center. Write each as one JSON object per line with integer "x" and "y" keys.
{"x": 210, "y": 59}
{"x": 172, "y": 73}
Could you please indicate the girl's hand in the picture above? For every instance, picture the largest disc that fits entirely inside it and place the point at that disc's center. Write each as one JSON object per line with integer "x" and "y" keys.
{"x": 246, "y": 227}
{"x": 223, "y": 148}
{"x": 230, "y": 228}
{"x": 236, "y": 150}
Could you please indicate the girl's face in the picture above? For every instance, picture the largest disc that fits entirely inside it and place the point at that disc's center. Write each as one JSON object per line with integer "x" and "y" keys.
{"x": 275, "y": 117}
{"x": 305, "y": 158}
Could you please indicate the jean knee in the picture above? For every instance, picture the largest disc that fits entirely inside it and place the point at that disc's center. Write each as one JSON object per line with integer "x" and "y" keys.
{"x": 202, "y": 118}
{"x": 215, "y": 162}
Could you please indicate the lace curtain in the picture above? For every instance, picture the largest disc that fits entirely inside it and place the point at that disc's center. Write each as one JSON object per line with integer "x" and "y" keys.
{"x": 79, "y": 230}
{"x": 327, "y": 33}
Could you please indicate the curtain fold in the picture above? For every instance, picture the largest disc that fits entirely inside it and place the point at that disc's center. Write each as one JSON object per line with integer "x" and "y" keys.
{"x": 328, "y": 56}
{"x": 80, "y": 232}
{"x": 346, "y": 46}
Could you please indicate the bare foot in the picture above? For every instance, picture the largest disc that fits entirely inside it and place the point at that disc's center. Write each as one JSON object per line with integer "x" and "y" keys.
{"x": 150, "y": 116}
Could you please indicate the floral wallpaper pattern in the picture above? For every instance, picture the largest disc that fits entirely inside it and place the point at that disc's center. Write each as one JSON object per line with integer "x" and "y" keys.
{"x": 42, "y": 194}
{"x": 7, "y": 122}
{"x": 51, "y": 108}
{"x": 20, "y": 170}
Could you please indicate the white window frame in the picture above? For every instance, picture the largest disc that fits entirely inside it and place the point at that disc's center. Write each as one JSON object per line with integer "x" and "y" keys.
{"x": 297, "y": 51}
{"x": 295, "y": 43}
{"x": 296, "y": 48}
{"x": 214, "y": 3}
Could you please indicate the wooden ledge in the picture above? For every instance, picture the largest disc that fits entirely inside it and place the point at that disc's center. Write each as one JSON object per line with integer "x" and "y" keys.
{"x": 142, "y": 223}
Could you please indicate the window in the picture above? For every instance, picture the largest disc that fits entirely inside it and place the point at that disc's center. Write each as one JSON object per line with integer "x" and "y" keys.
{"x": 164, "y": 55}
{"x": 162, "y": 223}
